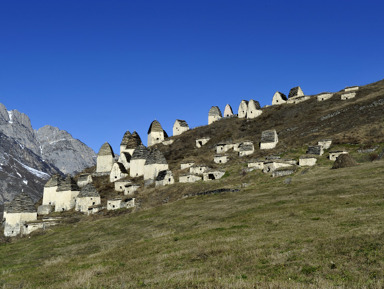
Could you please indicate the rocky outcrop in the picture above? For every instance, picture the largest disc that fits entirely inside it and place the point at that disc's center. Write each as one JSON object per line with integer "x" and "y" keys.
{"x": 21, "y": 170}
{"x": 58, "y": 147}
{"x": 29, "y": 157}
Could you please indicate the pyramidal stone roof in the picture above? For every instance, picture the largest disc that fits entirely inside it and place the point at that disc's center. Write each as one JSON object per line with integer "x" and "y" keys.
{"x": 68, "y": 184}
{"x": 133, "y": 141}
{"x": 182, "y": 123}
{"x": 254, "y": 103}
{"x": 156, "y": 127}
{"x": 295, "y": 92}
{"x": 215, "y": 111}
{"x": 106, "y": 150}
{"x": 22, "y": 203}
{"x": 228, "y": 109}
{"x": 140, "y": 153}
{"x": 126, "y": 137}
{"x": 155, "y": 157}
{"x": 54, "y": 181}
{"x": 88, "y": 190}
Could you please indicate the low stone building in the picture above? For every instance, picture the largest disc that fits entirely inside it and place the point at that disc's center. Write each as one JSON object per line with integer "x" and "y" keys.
{"x": 334, "y": 154}
{"x": 16, "y": 213}
{"x": 189, "y": 178}
{"x": 256, "y": 164}
{"x": 121, "y": 184}
{"x": 154, "y": 163}
{"x": 213, "y": 175}
{"x": 87, "y": 198}
{"x": 164, "y": 178}
{"x": 269, "y": 139}
{"x": 347, "y": 96}
{"x": 118, "y": 172}
{"x": 243, "y": 109}
{"x": 351, "y": 88}
{"x": 279, "y": 98}
{"x": 324, "y": 96}
{"x": 315, "y": 150}
{"x": 285, "y": 171}
{"x": 115, "y": 204}
{"x": 307, "y": 161}
{"x": 50, "y": 190}
{"x": 156, "y": 134}
{"x": 66, "y": 195}
{"x": 84, "y": 179}
{"x": 138, "y": 161}
{"x": 246, "y": 148}
{"x": 186, "y": 165}
{"x": 223, "y": 147}
{"x": 272, "y": 165}
{"x": 228, "y": 111}
{"x": 221, "y": 159}
{"x": 214, "y": 114}
{"x": 105, "y": 159}
{"x": 202, "y": 141}
{"x": 254, "y": 109}
{"x": 179, "y": 127}
{"x": 198, "y": 170}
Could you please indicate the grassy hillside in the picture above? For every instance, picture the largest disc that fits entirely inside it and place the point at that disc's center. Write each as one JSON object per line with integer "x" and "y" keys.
{"x": 316, "y": 228}
{"x": 323, "y": 229}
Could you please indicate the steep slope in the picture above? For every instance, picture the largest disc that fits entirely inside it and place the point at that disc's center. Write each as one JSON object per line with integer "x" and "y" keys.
{"x": 323, "y": 230}
{"x": 355, "y": 121}
{"x": 21, "y": 170}
{"x": 17, "y": 126}
{"x": 28, "y": 157}
{"x": 61, "y": 149}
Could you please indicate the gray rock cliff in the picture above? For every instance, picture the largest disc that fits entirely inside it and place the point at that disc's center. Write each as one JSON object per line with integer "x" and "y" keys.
{"x": 28, "y": 157}
{"x": 58, "y": 147}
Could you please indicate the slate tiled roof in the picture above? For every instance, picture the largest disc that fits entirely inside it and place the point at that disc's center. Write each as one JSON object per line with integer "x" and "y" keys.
{"x": 182, "y": 123}
{"x": 106, "y": 150}
{"x": 155, "y": 157}
{"x": 133, "y": 141}
{"x": 141, "y": 152}
{"x": 215, "y": 111}
{"x": 54, "y": 181}
{"x": 88, "y": 191}
{"x": 296, "y": 91}
{"x": 126, "y": 137}
{"x": 22, "y": 203}
{"x": 155, "y": 127}
{"x": 68, "y": 184}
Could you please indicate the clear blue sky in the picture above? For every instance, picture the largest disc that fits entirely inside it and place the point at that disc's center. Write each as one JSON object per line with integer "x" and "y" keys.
{"x": 99, "y": 68}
